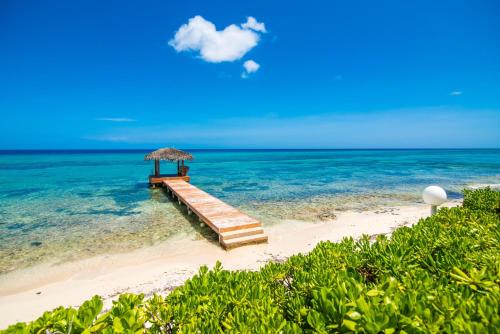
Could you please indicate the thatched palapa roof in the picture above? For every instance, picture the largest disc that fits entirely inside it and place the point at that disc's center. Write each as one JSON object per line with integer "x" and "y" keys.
{"x": 170, "y": 154}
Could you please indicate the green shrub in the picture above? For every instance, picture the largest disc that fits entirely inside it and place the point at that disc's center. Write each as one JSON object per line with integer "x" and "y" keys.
{"x": 484, "y": 199}
{"x": 441, "y": 275}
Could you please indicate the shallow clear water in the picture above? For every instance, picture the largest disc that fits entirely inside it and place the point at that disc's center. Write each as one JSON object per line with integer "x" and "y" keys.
{"x": 58, "y": 206}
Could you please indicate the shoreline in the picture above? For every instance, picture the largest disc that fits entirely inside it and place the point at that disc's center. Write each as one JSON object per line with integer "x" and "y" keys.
{"x": 27, "y": 293}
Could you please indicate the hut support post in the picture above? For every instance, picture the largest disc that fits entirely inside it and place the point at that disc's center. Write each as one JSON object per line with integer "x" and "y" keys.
{"x": 157, "y": 167}
{"x": 178, "y": 168}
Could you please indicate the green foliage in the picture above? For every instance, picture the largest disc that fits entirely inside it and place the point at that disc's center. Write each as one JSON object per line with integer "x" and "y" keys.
{"x": 484, "y": 199}
{"x": 441, "y": 275}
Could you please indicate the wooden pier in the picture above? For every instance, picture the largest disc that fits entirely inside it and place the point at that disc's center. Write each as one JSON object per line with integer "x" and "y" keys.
{"x": 233, "y": 226}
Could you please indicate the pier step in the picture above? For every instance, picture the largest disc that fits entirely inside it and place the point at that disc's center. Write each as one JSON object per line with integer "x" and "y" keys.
{"x": 236, "y": 224}
{"x": 242, "y": 233}
{"x": 242, "y": 241}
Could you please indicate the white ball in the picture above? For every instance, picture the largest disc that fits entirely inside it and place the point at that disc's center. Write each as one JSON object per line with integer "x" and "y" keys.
{"x": 434, "y": 195}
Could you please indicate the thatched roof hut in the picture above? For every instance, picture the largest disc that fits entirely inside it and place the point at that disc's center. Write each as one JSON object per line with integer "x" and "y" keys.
{"x": 169, "y": 154}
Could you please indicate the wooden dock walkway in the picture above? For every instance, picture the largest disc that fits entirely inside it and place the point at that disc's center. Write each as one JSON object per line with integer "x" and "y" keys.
{"x": 233, "y": 226}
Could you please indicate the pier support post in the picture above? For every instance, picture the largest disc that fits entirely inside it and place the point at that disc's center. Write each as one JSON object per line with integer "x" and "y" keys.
{"x": 157, "y": 167}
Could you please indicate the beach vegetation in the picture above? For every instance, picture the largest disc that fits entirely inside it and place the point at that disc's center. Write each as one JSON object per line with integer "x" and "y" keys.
{"x": 440, "y": 275}
{"x": 484, "y": 199}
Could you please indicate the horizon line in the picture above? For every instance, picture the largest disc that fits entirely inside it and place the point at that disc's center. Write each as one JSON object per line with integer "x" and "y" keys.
{"x": 243, "y": 149}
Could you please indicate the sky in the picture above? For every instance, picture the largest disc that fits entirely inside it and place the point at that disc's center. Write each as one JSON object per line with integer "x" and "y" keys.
{"x": 253, "y": 74}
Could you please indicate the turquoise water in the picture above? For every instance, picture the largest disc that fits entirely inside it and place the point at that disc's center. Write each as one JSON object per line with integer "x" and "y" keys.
{"x": 59, "y": 206}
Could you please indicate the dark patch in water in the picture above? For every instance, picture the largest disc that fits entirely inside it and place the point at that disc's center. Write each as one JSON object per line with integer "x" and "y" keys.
{"x": 19, "y": 192}
{"x": 36, "y": 243}
{"x": 15, "y": 226}
{"x": 454, "y": 194}
{"x": 69, "y": 211}
{"x": 35, "y": 226}
{"x": 234, "y": 189}
{"x": 118, "y": 212}
{"x": 216, "y": 183}
{"x": 130, "y": 194}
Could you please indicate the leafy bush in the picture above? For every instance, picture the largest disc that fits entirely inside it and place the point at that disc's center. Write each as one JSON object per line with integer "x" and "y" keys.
{"x": 482, "y": 199}
{"x": 441, "y": 275}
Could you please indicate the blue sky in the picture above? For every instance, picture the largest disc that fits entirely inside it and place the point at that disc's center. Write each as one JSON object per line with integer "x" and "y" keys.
{"x": 329, "y": 74}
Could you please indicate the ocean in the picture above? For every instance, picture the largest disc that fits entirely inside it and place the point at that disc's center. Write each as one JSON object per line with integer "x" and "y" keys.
{"x": 58, "y": 206}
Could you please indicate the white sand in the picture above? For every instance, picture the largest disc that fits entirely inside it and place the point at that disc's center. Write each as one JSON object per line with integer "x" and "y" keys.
{"x": 26, "y": 294}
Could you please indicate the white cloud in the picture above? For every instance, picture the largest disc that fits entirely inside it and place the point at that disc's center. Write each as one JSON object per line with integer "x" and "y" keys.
{"x": 215, "y": 46}
{"x": 116, "y": 119}
{"x": 254, "y": 25}
{"x": 456, "y": 93}
{"x": 251, "y": 66}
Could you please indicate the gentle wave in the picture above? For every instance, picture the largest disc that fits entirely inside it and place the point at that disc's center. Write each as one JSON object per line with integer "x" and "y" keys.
{"x": 484, "y": 185}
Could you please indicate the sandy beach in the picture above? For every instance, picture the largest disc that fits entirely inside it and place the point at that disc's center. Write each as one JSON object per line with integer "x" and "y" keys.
{"x": 26, "y": 294}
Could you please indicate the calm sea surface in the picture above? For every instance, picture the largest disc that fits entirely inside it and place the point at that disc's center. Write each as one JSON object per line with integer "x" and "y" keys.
{"x": 64, "y": 205}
